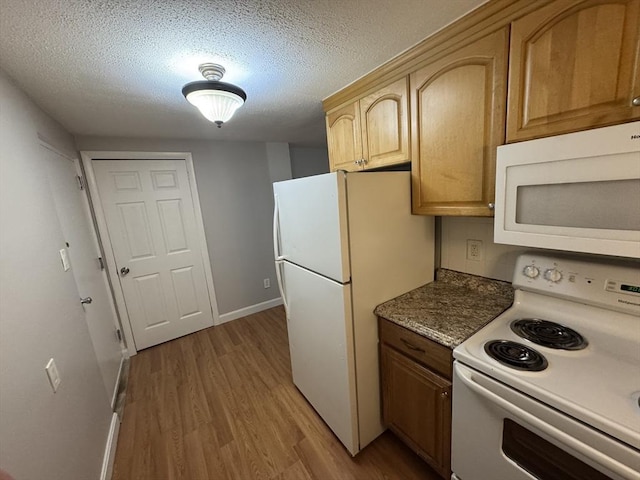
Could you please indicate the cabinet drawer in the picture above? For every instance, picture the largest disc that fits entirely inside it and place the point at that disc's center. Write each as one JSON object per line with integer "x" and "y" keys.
{"x": 431, "y": 354}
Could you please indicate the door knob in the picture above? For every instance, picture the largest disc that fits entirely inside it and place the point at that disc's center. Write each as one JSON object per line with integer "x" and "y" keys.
{"x": 636, "y": 102}
{"x": 124, "y": 271}
{"x": 86, "y": 300}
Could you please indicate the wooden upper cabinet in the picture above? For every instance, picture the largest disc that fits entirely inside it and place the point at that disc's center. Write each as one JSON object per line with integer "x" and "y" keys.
{"x": 458, "y": 120}
{"x": 344, "y": 138}
{"x": 573, "y": 65}
{"x": 372, "y": 132}
{"x": 385, "y": 125}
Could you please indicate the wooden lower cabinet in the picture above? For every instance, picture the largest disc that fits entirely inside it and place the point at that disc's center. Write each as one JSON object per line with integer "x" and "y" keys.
{"x": 416, "y": 400}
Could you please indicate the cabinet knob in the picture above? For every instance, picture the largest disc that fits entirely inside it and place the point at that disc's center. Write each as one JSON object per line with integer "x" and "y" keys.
{"x": 636, "y": 102}
{"x": 444, "y": 395}
{"x": 491, "y": 206}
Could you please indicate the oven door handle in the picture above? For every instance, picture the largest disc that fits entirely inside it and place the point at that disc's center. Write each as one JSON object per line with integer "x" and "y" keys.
{"x": 465, "y": 375}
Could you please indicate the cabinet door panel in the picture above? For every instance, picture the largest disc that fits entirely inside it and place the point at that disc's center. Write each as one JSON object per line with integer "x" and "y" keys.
{"x": 458, "y": 121}
{"x": 385, "y": 125}
{"x": 416, "y": 406}
{"x": 343, "y": 138}
{"x": 573, "y": 66}
{"x": 447, "y": 170}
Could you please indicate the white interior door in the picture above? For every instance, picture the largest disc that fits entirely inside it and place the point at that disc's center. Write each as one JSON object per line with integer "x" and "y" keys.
{"x": 320, "y": 331}
{"x": 150, "y": 218}
{"x": 75, "y": 221}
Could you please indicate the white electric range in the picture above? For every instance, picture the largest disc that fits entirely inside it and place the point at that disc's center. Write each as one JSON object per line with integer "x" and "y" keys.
{"x": 549, "y": 390}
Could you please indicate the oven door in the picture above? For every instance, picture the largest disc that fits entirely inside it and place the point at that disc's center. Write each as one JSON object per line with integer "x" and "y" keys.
{"x": 501, "y": 434}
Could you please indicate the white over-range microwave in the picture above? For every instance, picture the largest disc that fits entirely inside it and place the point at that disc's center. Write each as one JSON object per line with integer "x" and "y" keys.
{"x": 576, "y": 192}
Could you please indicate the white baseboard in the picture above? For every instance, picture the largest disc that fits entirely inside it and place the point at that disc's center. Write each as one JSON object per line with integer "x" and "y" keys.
{"x": 114, "y": 395}
{"x": 110, "y": 449}
{"x": 243, "y": 312}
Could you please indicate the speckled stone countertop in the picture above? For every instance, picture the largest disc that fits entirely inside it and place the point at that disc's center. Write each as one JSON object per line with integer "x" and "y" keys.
{"x": 450, "y": 309}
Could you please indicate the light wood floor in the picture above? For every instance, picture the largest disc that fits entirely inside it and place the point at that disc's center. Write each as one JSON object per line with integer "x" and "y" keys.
{"x": 220, "y": 404}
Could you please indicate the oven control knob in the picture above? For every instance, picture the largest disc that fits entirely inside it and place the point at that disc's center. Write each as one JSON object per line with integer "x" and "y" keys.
{"x": 531, "y": 271}
{"x": 553, "y": 275}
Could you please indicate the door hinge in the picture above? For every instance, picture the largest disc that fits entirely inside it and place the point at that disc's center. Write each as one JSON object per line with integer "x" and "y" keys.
{"x": 118, "y": 334}
{"x": 80, "y": 182}
{"x": 101, "y": 263}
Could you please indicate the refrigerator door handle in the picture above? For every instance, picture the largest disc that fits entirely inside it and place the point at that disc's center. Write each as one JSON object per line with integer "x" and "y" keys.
{"x": 276, "y": 253}
{"x": 276, "y": 228}
{"x": 281, "y": 287}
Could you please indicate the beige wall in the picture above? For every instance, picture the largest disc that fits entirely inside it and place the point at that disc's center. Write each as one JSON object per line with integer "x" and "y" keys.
{"x": 498, "y": 261}
{"x": 43, "y": 435}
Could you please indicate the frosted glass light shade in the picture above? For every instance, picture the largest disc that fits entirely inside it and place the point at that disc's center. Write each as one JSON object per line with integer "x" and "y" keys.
{"x": 217, "y": 101}
{"x": 215, "y": 105}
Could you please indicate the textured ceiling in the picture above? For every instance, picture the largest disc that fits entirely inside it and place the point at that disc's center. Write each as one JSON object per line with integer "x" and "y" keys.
{"x": 117, "y": 67}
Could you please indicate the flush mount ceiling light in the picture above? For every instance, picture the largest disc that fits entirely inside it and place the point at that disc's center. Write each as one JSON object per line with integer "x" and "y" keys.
{"x": 216, "y": 100}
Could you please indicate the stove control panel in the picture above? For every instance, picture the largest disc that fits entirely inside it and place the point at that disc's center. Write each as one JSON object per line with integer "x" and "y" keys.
{"x": 610, "y": 284}
{"x": 531, "y": 271}
{"x": 553, "y": 275}
{"x": 622, "y": 287}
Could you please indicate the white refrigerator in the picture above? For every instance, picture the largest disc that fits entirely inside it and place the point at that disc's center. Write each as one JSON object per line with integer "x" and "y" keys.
{"x": 344, "y": 243}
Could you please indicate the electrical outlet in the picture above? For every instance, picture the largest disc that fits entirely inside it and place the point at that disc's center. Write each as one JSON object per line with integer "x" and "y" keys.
{"x": 53, "y": 374}
{"x": 267, "y": 283}
{"x": 474, "y": 250}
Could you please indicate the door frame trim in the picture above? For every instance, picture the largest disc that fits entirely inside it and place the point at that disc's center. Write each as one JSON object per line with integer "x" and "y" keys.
{"x": 87, "y": 161}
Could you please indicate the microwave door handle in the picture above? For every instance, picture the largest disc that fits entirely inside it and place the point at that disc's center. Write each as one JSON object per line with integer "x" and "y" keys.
{"x": 276, "y": 252}
{"x": 465, "y": 376}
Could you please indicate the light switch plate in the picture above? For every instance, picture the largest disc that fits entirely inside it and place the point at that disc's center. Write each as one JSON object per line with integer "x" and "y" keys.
{"x": 64, "y": 256}
{"x": 52, "y": 373}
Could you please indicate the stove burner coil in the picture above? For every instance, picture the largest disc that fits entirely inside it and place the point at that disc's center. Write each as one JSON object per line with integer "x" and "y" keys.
{"x": 516, "y": 355}
{"x": 548, "y": 334}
